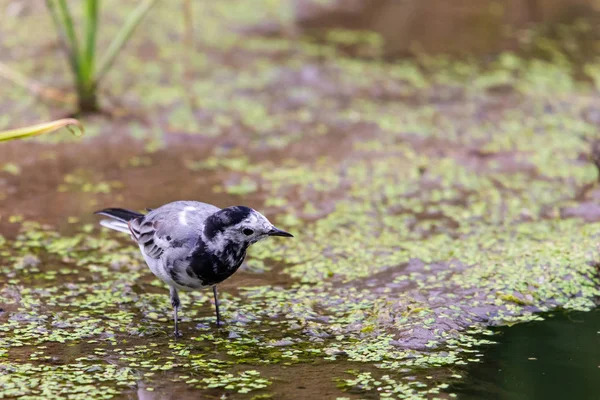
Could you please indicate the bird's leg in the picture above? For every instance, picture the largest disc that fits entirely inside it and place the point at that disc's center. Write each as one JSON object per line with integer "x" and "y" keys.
{"x": 175, "y": 303}
{"x": 217, "y": 306}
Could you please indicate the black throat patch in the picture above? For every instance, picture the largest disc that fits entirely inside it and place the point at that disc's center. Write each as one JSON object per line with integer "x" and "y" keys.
{"x": 212, "y": 268}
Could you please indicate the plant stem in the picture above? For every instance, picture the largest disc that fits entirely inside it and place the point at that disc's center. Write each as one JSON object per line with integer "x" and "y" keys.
{"x": 83, "y": 60}
{"x": 64, "y": 44}
{"x": 69, "y": 31}
{"x": 119, "y": 41}
{"x": 88, "y": 100}
{"x": 91, "y": 27}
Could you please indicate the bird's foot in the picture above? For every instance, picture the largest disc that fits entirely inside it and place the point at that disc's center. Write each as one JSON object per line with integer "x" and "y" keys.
{"x": 177, "y": 334}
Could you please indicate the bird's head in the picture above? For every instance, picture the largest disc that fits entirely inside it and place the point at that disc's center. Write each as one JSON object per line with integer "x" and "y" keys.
{"x": 240, "y": 224}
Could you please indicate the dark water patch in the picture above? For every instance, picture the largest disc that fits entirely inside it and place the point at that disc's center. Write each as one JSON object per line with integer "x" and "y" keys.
{"x": 557, "y": 358}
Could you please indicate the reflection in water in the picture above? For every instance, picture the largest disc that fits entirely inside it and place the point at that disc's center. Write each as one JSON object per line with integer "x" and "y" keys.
{"x": 558, "y": 358}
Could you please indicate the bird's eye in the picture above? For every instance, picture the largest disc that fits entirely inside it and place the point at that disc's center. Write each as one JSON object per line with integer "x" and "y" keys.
{"x": 248, "y": 232}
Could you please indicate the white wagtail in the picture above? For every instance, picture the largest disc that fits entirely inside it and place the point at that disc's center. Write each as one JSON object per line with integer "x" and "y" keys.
{"x": 191, "y": 245}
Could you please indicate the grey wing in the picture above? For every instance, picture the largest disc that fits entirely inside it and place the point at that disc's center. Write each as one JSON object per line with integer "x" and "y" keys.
{"x": 171, "y": 230}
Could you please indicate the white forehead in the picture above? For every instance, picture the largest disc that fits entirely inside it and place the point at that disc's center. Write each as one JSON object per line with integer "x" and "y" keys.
{"x": 256, "y": 220}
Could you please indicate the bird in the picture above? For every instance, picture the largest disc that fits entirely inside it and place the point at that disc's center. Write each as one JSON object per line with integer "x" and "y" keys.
{"x": 192, "y": 245}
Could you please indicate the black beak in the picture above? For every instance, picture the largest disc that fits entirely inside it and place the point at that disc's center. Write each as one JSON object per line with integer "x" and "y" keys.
{"x": 279, "y": 232}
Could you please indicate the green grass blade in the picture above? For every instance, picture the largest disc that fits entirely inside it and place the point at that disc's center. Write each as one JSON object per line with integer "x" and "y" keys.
{"x": 60, "y": 29}
{"x": 69, "y": 29}
{"x": 40, "y": 129}
{"x": 91, "y": 27}
{"x": 119, "y": 41}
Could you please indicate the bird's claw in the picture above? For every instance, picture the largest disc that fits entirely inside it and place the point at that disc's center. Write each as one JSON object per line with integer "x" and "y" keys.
{"x": 177, "y": 334}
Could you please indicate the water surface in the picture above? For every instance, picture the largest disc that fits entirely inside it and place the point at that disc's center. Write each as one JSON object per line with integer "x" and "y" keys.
{"x": 558, "y": 358}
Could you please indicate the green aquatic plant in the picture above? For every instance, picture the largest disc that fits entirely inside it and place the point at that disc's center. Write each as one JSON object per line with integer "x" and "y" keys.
{"x": 40, "y": 129}
{"x": 82, "y": 56}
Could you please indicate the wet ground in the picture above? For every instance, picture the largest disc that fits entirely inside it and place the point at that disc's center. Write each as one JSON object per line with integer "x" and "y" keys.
{"x": 430, "y": 200}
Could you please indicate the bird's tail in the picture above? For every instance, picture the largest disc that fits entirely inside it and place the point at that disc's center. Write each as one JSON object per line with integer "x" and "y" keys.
{"x": 120, "y": 218}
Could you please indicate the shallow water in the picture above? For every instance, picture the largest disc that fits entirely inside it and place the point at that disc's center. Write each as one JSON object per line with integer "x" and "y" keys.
{"x": 429, "y": 199}
{"x": 558, "y": 358}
